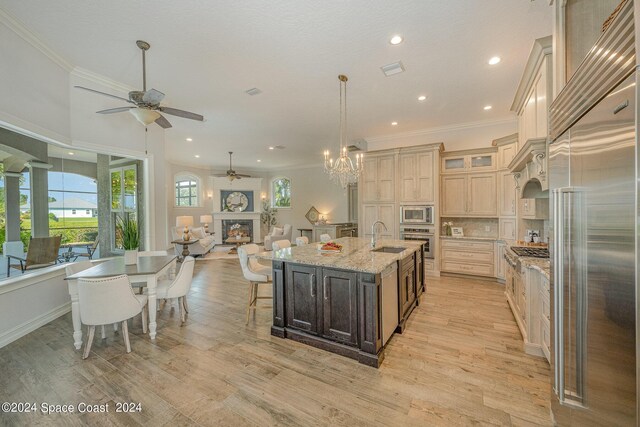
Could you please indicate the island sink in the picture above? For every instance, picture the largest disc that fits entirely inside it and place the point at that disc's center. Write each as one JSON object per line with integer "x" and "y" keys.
{"x": 389, "y": 249}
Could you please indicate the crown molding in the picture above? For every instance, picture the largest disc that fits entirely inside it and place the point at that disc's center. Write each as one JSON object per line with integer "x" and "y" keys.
{"x": 541, "y": 48}
{"x": 101, "y": 80}
{"x": 30, "y": 37}
{"x": 505, "y": 140}
{"x": 448, "y": 128}
{"x": 32, "y": 130}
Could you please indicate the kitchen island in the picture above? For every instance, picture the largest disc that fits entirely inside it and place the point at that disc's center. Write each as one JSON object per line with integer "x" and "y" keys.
{"x": 349, "y": 302}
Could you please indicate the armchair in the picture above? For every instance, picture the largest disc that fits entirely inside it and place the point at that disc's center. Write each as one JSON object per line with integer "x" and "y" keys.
{"x": 272, "y": 237}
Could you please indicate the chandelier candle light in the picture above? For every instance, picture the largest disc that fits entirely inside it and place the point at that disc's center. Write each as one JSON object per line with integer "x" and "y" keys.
{"x": 343, "y": 171}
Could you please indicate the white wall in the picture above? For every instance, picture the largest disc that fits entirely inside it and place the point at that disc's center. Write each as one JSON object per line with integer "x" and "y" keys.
{"x": 458, "y": 137}
{"x": 310, "y": 186}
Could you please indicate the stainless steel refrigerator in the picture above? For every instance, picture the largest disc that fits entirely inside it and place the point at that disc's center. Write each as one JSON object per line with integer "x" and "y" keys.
{"x": 593, "y": 178}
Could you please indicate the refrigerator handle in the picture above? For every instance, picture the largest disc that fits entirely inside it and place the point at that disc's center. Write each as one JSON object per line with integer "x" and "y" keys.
{"x": 558, "y": 292}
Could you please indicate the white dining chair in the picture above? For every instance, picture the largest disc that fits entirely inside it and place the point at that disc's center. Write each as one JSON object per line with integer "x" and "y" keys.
{"x": 109, "y": 300}
{"x": 302, "y": 240}
{"x": 255, "y": 273}
{"x": 324, "y": 238}
{"x": 281, "y": 244}
{"x": 178, "y": 287}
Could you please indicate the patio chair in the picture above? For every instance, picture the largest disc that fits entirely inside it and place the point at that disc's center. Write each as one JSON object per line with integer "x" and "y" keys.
{"x": 90, "y": 251}
{"x": 42, "y": 252}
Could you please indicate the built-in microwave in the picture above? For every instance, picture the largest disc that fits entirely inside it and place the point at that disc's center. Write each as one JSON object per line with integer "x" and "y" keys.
{"x": 416, "y": 215}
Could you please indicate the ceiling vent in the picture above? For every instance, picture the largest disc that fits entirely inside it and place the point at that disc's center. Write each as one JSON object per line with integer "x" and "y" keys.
{"x": 253, "y": 91}
{"x": 391, "y": 69}
{"x": 357, "y": 145}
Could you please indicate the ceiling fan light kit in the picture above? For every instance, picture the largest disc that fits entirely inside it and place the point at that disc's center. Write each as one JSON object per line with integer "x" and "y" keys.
{"x": 146, "y": 103}
{"x": 343, "y": 171}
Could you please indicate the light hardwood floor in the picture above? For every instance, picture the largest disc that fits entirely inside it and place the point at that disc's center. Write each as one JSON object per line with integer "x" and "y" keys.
{"x": 460, "y": 362}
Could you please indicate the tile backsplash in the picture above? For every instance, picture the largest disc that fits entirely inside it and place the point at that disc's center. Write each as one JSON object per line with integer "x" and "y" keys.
{"x": 475, "y": 227}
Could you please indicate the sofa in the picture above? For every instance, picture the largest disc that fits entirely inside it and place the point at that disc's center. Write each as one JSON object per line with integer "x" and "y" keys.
{"x": 277, "y": 233}
{"x": 201, "y": 247}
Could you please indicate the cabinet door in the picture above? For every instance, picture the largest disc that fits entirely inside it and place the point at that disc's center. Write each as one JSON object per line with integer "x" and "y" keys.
{"x": 340, "y": 308}
{"x": 541, "y": 102}
{"x": 529, "y": 116}
{"x": 500, "y": 261}
{"x": 425, "y": 181}
{"x": 480, "y": 162}
{"x": 407, "y": 288}
{"x": 407, "y": 174}
{"x": 387, "y": 214}
{"x": 368, "y": 183}
{"x": 386, "y": 177}
{"x": 528, "y": 208}
{"x": 506, "y": 153}
{"x": 454, "y": 164}
{"x": 369, "y": 216}
{"x": 454, "y": 195}
{"x": 507, "y": 192}
{"x": 302, "y": 298}
{"x": 482, "y": 194}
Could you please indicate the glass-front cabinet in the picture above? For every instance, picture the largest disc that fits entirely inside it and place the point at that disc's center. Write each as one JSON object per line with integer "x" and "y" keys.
{"x": 469, "y": 163}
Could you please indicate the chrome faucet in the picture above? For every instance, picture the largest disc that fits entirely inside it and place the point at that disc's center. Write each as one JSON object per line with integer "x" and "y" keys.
{"x": 373, "y": 232}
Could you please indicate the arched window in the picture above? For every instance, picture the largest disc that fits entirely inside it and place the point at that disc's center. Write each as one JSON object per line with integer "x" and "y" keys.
{"x": 281, "y": 193}
{"x": 187, "y": 190}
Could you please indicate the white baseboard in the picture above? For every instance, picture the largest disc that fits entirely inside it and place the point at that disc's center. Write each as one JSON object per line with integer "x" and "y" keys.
{"x": 21, "y": 330}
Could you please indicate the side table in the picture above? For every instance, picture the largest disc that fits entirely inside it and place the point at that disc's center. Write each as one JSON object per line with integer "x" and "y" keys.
{"x": 185, "y": 245}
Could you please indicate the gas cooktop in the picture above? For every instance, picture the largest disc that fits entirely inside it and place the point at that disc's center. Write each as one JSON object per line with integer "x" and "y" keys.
{"x": 530, "y": 252}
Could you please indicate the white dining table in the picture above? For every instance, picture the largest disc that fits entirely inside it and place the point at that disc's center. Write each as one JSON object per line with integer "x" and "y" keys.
{"x": 147, "y": 269}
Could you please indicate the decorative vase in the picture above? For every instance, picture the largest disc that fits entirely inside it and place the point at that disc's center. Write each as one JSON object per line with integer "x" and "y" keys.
{"x": 130, "y": 256}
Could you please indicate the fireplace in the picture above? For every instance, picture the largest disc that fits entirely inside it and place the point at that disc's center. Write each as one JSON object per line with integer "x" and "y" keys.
{"x": 237, "y": 227}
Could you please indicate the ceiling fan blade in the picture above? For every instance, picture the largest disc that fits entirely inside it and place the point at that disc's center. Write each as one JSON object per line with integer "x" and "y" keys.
{"x": 114, "y": 110}
{"x": 103, "y": 93}
{"x": 243, "y": 175}
{"x": 163, "y": 122}
{"x": 181, "y": 113}
{"x": 152, "y": 97}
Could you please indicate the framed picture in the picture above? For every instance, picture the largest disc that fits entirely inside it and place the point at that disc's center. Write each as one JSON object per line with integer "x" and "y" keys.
{"x": 457, "y": 232}
{"x": 313, "y": 215}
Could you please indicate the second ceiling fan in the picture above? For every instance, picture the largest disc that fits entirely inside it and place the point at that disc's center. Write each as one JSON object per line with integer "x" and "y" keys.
{"x": 146, "y": 106}
{"x": 231, "y": 174}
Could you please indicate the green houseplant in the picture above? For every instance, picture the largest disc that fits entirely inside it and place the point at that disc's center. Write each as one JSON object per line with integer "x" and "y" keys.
{"x": 130, "y": 235}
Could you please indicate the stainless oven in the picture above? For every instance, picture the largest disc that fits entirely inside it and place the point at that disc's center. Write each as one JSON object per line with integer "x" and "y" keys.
{"x": 416, "y": 215}
{"x": 420, "y": 232}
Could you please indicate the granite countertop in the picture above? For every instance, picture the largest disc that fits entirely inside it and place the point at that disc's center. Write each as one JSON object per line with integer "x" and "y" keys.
{"x": 486, "y": 239}
{"x": 356, "y": 254}
{"x": 543, "y": 265}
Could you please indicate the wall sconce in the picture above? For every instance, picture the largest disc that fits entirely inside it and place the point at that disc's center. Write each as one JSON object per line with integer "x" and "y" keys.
{"x": 210, "y": 196}
{"x": 263, "y": 195}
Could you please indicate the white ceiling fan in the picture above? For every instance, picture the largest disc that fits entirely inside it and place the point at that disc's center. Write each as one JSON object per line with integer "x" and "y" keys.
{"x": 231, "y": 174}
{"x": 146, "y": 103}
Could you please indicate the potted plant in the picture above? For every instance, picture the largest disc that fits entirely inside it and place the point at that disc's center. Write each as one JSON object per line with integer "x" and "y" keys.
{"x": 130, "y": 233}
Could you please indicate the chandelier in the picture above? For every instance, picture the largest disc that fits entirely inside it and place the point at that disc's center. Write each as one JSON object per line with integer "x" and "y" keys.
{"x": 342, "y": 170}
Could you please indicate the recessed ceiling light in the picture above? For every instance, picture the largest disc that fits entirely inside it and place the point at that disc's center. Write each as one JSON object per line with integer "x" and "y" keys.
{"x": 258, "y": 160}
{"x": 271, "y": 148}
{"x": 397, "y": 39}
{"x": 494, "y": 60}
{"x": 189, "y": 139}
{"x": 422, "y": 98}
{"x": 488, "y": 107}
{"x": 71, "y": 153}
{"x": 197, "y": 156}
{"x": 394, "y": 123}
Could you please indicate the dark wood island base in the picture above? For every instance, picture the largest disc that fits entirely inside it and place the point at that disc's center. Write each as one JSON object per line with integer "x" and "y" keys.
{"x": 340, "y": 310}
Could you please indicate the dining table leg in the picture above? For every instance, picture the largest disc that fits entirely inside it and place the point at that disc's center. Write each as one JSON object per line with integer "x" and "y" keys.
{"x": 151, "y": 287}
{"x": 75, "y": 314}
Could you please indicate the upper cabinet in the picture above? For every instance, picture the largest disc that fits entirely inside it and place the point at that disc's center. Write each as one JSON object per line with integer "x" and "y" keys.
{"x": 507, "y": 150}
{"x": 378, "y": 179}
{"x": 416, "y": 177}
{"x": 534, "y": 92}
{"x": 469, "y": 163}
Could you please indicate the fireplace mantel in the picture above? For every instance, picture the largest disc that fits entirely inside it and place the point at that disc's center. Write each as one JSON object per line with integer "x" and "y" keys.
{"x": 244, "y": 184}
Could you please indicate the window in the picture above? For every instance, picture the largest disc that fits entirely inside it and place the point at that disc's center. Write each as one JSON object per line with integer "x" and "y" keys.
{"x": 73, "y": 211}
{"x": 186, "y": 190}
{"x": 281, "y": 193}
{"x": 123, "y": 189}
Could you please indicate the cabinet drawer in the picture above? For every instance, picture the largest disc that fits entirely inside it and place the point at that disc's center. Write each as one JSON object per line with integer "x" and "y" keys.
{"x": 467, "y": 256}
{"x": 468, "y": 268}
{"x": 466, "y": 244}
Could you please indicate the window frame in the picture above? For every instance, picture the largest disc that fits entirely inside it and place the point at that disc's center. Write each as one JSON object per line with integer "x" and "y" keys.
{"x": 182, "y": 177}
{"x": 272, "y": 192}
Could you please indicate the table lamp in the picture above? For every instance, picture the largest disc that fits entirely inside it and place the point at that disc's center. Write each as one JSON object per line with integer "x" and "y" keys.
{"x": 184, "y": 221}
{"x": 206, "y": 219}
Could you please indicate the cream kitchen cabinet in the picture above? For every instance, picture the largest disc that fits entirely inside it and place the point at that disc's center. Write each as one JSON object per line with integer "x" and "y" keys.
{"x": 385, "y": 212}
{"x": 507, "y": 228}
{"x": 467, "y": 256}
{"x": 416, "y": 177}
{"x": 378, "y": 179}
{"x": 506, "y": 153}
{"x": 500, "y": 262}
{"x": 475, "y": 162}
{"x": 534, "y": 208}
{"x": 507, "y": 194}
{"x": 471, "y": 195}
